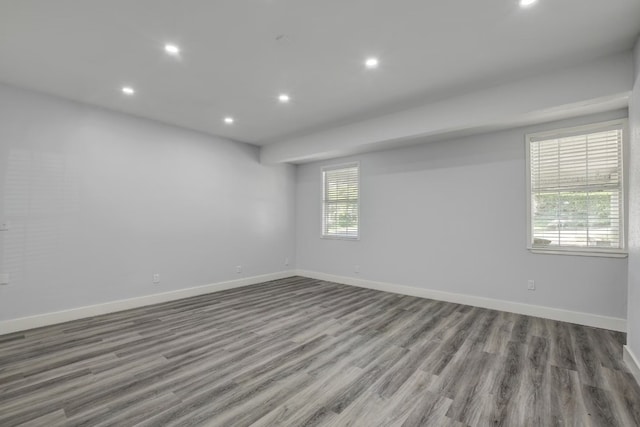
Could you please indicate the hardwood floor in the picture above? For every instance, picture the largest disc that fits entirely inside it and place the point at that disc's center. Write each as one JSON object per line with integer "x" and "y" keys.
{"x": 302, "y": 352}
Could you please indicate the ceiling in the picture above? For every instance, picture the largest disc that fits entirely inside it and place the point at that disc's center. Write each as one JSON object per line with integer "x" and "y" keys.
{"x": 238, "y": 55}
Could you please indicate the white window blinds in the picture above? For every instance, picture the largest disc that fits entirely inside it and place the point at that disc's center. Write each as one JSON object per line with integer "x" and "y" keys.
{"x": 340, "y": 201}
{"x": 576, "y": 189}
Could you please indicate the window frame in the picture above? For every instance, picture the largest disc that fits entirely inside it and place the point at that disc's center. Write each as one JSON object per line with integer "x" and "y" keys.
{"x": 566, "y": 132}
{"x": 332, "y": 167}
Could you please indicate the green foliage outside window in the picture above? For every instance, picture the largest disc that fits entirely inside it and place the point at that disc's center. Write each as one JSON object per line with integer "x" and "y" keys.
{"x": 573, "y": 209}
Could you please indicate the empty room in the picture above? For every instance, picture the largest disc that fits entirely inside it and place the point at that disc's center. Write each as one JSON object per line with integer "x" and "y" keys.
{"x": 319, "y": 213}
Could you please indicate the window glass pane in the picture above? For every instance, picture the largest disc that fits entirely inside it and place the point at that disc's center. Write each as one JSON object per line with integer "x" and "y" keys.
{"x": 576, "y": 189}
{"x": 340, "y": 202}
{"x": 341, "y": 219}
{"x": 582, "y": 219}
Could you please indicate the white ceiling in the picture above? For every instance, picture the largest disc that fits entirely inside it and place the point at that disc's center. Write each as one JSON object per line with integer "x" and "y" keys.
{"x": 232, "y": 62}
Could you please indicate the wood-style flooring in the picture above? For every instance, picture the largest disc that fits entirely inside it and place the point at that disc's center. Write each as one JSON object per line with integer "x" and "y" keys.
{"x": 302, "y": 352}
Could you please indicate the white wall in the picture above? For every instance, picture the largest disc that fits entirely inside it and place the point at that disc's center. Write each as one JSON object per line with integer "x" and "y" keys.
{"x": 633, "y": 322}
{"x": 450, "y": 216}
{"x": 98, "y": 201}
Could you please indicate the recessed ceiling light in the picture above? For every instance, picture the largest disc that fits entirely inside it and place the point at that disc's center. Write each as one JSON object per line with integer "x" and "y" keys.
{"x": 228, "y": 120}
{"x": 527, "y": 3}
{"x": 372, "y": 62}
{"x": 284, "y": 98}
{"x": 128, "y": 90}
{"x": 172, "y": 49}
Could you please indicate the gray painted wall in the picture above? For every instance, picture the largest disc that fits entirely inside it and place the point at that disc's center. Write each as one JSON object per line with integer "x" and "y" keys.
{"x": 633, "y": 337}
{"x": 99, "y": 201}
{"x": 450, "y": 216}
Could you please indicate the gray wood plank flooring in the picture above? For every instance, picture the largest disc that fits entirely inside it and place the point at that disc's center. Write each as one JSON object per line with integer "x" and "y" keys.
{"x": 303, "y": 352}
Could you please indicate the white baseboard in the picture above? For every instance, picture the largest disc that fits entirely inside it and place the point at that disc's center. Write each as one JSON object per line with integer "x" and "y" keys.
{"x": 588, "y": 319}
{"x": 632, "y": 362}
{"x": 24, "y": 323}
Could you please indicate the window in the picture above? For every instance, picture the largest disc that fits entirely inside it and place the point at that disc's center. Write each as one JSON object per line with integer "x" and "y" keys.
{"x": 576, "y": 193}
{"x": 340, "y": 205}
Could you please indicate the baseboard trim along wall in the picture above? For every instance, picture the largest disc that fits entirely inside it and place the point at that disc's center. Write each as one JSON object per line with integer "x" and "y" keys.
{"x": 632, "y": 362}
{"x": 598, "y": 321}
{"x": 587, "y": 319}
{"x": 24, "y": 323}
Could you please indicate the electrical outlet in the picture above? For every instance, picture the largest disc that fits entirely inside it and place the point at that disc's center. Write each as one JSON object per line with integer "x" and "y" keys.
{"x": 156, "y": 278}
{"x": 531, "y": 285}
{"x": 356, "y": 269}
{"x": 238, "y": 269}
{"x": 4, "y": 278}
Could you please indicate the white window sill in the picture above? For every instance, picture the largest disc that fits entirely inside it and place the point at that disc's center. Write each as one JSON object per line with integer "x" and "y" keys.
{"x": 616, "y": 253}
{"x": 340, "y": 238}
